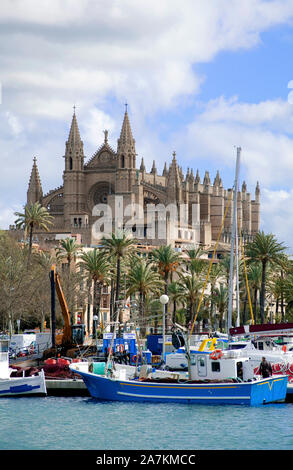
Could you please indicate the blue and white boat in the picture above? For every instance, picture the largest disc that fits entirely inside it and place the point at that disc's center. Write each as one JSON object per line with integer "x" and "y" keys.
{"x": 34, "y": 385}
{"x": 220, "y": 377}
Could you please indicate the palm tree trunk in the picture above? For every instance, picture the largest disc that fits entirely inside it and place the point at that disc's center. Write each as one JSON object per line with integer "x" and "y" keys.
{"x": 263, "y": 292}
{"x": 117, "y": 282}
{"x": 30, "y": 246}
{"x": 255, "y": 304}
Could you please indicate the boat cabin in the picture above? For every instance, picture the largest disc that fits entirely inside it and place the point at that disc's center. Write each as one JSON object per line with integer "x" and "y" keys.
{"x": 4, "y": 359}
{"x": 230, "y": 364}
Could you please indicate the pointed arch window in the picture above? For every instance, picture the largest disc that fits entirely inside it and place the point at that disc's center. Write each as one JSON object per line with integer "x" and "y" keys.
{"x": 122, "y": 161}
{"x": 70, "y": 163}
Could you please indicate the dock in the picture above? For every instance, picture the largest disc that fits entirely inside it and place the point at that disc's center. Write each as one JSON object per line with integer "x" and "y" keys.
{"x": 66, "y": 388}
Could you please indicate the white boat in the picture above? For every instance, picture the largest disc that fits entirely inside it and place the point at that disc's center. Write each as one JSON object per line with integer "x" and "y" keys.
{"x": 33, "y": 385}
{"x": 280, "y": 357}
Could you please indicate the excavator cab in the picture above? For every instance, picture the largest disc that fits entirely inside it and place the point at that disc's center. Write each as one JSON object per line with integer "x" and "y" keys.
{"x": 78, "y": 333}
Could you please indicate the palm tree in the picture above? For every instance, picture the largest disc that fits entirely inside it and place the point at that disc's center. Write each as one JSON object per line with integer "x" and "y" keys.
{"x": 145, "y": 280}
{"x": 267, "y": 250}
{"x": 221, "y": 301}
{"x": 97, "y": 267}
{"x": 254, "y": 277}
{"x": 168, "y": 262}
{"x": 196, "y": 264}
{"x": 175, "y": 294}
{"x": 191, "y": 290}
{"x": 34, "y": 216}
{"x": 215, "y": 274}
{"x": 118, "y": 246}
{"x": 68, "y": 249}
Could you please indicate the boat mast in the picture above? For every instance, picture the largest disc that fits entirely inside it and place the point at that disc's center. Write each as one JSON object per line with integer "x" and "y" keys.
{"x": 233, "y": 239}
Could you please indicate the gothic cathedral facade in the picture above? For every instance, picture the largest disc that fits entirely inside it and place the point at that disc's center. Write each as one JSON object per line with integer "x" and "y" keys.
{"x": 111, "y": 178}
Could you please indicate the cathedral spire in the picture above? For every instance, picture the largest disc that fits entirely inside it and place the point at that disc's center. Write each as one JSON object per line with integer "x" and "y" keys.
{"x": 165, "y": 170}
{"x": 126, "y": 137}
{"x": 197, "y": 178}
{"x": 35, "y": 192}
{"x": 142, "y": 165}
{"x": 126, "y": 145}
{"x": 74, "y": 155}
{"x": 74, "y": 135}
{"x": 154, "y": 168}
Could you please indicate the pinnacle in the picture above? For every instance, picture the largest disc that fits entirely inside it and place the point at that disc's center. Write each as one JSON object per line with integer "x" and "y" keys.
{"x": 126, "y": 136}
{"x": 74, "y": 135}
{"x": 35, "y": 180}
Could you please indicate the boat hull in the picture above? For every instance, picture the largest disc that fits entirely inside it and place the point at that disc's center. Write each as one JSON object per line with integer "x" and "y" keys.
{"x": 251, "y": 393}
{"x": 23, "y": 386}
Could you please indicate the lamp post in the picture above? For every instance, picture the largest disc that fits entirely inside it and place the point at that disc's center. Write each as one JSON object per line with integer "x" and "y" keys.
{"x": 164, "y": 299}
{"x": 95, "y": 318}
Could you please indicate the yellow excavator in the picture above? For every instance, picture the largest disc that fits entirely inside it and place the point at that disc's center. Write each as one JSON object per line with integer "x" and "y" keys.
{"x": 73, "y": 335}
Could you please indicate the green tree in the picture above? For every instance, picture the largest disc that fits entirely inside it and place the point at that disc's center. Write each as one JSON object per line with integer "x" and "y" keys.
{"x": 191, "y": 288}
{"x": 168, "y": 261}
{"x": 220, "y": 295}
{"x": 267, "y": 250}
{"x": 97, "y": 267}
{"x": 34, "y": 217}
{"x": 118, "y": 246}
{"x": 68, "y": 249}
{"x": 144, "y": 280}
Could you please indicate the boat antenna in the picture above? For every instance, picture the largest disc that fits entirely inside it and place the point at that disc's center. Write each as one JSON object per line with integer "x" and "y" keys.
{"x": 233, "y": 239}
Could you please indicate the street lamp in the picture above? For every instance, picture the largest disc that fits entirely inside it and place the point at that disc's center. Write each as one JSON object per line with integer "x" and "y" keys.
{"x": 164, "y": 299}
{"x": 95, "y": 318}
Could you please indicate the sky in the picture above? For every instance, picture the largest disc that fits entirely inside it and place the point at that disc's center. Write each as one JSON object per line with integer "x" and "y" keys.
{"x": 200, "y": 78}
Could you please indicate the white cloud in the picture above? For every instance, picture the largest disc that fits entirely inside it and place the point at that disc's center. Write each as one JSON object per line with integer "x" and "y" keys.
{"x": 277, "y": 215}
{"x": 55, "y": 54}
{"x": 262, "y": 130}
{"x": 83, "y": 50}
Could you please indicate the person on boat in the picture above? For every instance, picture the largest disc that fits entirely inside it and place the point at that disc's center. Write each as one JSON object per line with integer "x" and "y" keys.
{"x": 265, "y": 368}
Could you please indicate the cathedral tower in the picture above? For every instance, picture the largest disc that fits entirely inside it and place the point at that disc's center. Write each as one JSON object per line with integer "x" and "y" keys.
{"x": 74, "y": 197}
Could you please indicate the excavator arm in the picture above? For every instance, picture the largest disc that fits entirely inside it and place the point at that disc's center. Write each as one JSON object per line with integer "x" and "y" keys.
{"x": 67, "y": 332}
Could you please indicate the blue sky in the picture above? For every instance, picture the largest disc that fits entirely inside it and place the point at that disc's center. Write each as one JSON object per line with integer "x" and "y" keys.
{"x": 200, "y": 80}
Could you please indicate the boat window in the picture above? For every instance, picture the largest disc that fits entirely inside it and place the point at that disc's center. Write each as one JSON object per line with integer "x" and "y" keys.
{"x": 193, "y": 359}
{"x": 240, "y": 370}
{"x": 201, "y": 366}
{"x": 216, "y": 367}
{"x": 260, "y": 345}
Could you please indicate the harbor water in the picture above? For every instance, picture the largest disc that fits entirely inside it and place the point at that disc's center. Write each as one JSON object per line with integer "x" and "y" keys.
{"x": 82, "y": 423}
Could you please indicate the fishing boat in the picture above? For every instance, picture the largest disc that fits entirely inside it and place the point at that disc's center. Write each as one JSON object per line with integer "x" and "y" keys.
{"x": 220, "y": 377}
{"x": 15, "y": 386}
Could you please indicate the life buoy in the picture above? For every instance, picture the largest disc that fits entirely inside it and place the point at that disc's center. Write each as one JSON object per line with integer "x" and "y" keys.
{"x": 121, "y": 348}
{"x": 216, "y": 354}
{"x": 135, "y": 357}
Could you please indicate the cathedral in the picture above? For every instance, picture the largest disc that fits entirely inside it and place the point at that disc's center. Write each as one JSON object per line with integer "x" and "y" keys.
{"x": 111, "y": 179}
